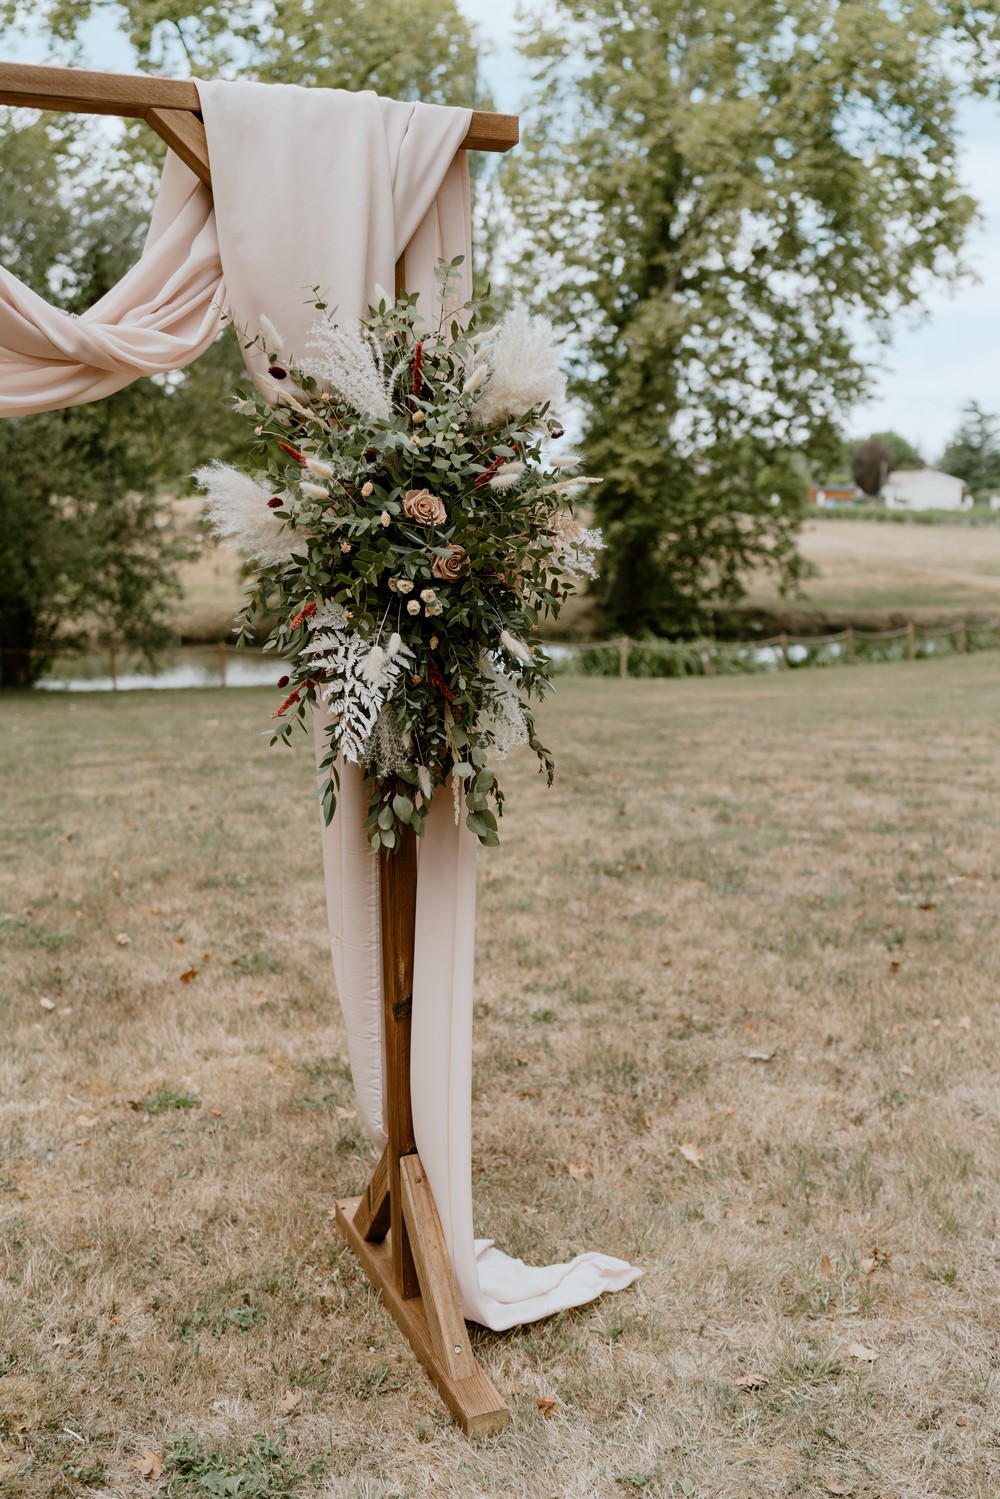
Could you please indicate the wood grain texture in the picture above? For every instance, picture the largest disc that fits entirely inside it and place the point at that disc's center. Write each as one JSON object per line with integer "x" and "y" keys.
{"x": 372, "y": 1218}
{"x": 438, "y": 1287}
{"x": 398, "y": 895}
{"x": 133, "y": 95}
{"x": 185, "y": 135}
{"x": 473, "y": 1401}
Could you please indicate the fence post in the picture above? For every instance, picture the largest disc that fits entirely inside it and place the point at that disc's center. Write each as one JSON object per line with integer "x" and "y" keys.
{"x": 222, "y": 661}
{"x": 113, "y": 663}
{"x": 911, "y": 641}
{"x": 963, "y": 643}
{"x": 783, "y": 642}
{"x": 706, "y": 657}
{"x": 623, "y": 656}
{"x": 850, "y": 645}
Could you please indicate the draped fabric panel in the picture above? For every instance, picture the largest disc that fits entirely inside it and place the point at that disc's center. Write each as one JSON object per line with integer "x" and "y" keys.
{"x": 321, "y": 188}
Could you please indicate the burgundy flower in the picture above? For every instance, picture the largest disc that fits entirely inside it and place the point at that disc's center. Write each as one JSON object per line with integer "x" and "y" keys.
{"x": 305, "y": 613}
{"x": 276, "y": 372}
{"x": 282, "y": 682}
{"x": 275, "y": 503}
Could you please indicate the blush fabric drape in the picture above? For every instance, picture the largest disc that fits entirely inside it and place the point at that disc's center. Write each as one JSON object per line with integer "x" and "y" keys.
{"x": 320, "y": 188}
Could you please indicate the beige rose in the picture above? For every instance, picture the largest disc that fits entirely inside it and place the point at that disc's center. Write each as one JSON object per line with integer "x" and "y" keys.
{"x": 448, "y": 568}
{"x": 425, "y": 508}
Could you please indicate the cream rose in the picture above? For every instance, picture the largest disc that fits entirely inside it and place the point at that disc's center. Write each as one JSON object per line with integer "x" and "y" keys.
{"x": 425, "y": 508}
{"x": 448, "y": 568}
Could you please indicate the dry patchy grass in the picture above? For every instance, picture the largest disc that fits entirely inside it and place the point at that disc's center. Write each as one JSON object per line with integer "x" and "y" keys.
{"x": 801, "y": 869}
{"x": 871, "y": 565}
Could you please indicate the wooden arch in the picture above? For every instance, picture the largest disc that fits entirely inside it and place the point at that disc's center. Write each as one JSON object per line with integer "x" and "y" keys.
{"x": 394, "y": 1229}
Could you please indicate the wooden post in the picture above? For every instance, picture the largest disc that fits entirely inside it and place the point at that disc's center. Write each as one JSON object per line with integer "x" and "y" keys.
{"x": 394, "y": 1229}
{"x": 963, "y": 643}
{"x": 783, "y": 643}
{"x": 850, "y": 645}
{"x": 623, "y": 656}
{"x": 911, "y": 641}
{"x": 706, "y": 657}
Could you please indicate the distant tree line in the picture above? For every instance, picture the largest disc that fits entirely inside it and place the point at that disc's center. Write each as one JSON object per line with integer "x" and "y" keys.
{"x": 972, "y": 455}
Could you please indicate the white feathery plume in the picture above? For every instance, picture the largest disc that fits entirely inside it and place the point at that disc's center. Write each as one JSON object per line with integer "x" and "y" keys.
{"x": 319, "y": 467}
{"x": 508, "y": 476}
{"x": 564, "y": 460}
{"x": 516, "y": 648}
{"x": 349, "y": 361}
{"x": 568, "y": 486}
{"x": 395, "y": 645}
{"x": 479, "y": 374}
{"x": 524, "y": 368}
{"x": 239, "y": 515}
{"x": 374, "y": 664}
{"x": 424, "y": 782}
{"x": 504, "y": 716}
{"x": 314, "y": 491}
{"x": 272, "y": 338}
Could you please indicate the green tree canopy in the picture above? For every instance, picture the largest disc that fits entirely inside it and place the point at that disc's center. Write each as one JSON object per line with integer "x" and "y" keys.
{"x": 718, "y": 194}
{"x": 973, "y": 454}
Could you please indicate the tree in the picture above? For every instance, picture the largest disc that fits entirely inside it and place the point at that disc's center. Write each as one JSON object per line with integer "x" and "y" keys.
{"x": 81, "y": 549}
{"x": 973, "y": 454}
{"x": 717, "y": 195}
{"x": 870, "y": 465}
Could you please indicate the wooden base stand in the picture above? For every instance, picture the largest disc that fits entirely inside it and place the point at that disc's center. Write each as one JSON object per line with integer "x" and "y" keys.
{"x": 394, "y": 1229}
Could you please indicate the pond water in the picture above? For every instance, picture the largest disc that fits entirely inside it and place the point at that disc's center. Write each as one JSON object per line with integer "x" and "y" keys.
{"x": 188, "y": 666}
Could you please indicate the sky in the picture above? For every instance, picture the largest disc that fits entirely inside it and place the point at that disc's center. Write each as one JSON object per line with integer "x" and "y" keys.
{"x": 934, "y": 366}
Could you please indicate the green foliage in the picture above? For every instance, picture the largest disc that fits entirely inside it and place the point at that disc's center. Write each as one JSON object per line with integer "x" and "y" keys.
{"x": 974, "y": 452}
{"x": 717, "y": 195}
{"x": 167, "y": 1099}
{"x": 196, "y": 1466}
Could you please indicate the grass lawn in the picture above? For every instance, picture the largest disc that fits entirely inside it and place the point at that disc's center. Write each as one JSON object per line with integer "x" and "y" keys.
{"x": 738, "y": 1020}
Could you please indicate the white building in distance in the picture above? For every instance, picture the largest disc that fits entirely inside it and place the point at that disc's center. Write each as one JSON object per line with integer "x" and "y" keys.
{"x": 924, "y": 489}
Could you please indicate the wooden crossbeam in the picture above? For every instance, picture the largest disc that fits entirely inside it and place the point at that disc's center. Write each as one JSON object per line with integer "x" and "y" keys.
{"x": 133, "y": 95}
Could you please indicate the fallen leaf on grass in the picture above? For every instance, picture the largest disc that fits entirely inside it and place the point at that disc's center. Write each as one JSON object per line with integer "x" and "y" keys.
{"x": 691, "y": 1152}
{"x": 548, "y": 1405}
{"x": 123, "y": 939}
{"x": 84, "y": 1121}
{"x": 47, "y": 1004}
{"x": 188, "y": 975}
{"x": 964, "y": 1023}
{"x": 61, "y": 1340}
{"x": 907, "y": 1072}
{"x": 962, "y": 1421}
{"x": 289, "y": 1400}
{"x": 825, "y": 1265}
{"x": 751, "y": 1381}
{"x": 858, "y": 1350}
{"x": 149, "y": 1465}
{"x": 215, "y": 1113}
{"x": 521, "y": 1061}
{"x": 833, "y": 1487}
{"x": 759, "y": 1056}
{"x": 578, "y": 1170}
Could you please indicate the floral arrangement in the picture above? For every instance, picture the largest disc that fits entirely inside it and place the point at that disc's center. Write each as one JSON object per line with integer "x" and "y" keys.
{"x": 409, "y": 518}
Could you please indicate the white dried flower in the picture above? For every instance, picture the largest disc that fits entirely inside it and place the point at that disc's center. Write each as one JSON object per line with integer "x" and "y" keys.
{"x": 564, "y": 460}
{"x": 413, "y": 607}
{"x": 433, "y": 610}
{"x": 272, "y": 338}
{"x": 524, "y": 368}
{"x": 313, "y": 491}
{"x": 373, "y": 665}
{"x": 395, "y": 645}
{"x": 384, "y": 518}
{"x": 424, "y": 782}
{"x": 433, "y": 642}
{"x": 516, "y": 648}
{"x": 319, "y": 467}
{"x": 368, "y": 488}
{"x": 239, "y": 515}
{"x": 479, "y": 374}
{"x": 428, "y": 595}
{"x": 403, "y": 585}
{"x": 508, "y": 476}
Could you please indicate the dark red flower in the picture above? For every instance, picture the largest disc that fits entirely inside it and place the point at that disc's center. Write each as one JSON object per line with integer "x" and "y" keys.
{"x": 276, "y": 372}
{"x": 292, "y": 452}
{"x": 290, "y": 700}
{"x": 438, "y": 682}
{"x": 418, "y": 370}
{"x": 275, "y": 503}
{"x": 282, "y": 682}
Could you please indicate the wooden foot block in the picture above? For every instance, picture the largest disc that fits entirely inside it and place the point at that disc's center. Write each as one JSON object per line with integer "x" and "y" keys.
{"x": 473, "y": 1401}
